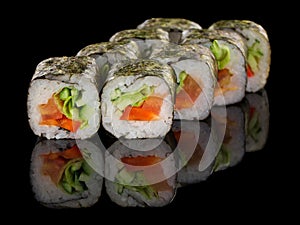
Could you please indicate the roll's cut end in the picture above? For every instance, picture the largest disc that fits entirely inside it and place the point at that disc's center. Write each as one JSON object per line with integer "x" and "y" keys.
{"x": 63, "y": 99}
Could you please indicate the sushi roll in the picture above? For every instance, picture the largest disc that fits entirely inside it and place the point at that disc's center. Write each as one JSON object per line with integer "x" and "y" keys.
{"x": 257, "y": 120}
{"x": 229, "y": 51}
{"x": 174, "y": 26}
{"x": 92, "y": 150}
{"x": 195, "y": 163}
{"x": 62, "y": 176}
{"x": 258, "y": 50}
{"x": 147, "y": 40}
{"x": 108, "y": 53}
{"x": 63, "y": 98}
{"x": 196, "y": 72}
{"x": 232, "y": 149}
{"x": 138, "y": 100}
{"x": 138, "y": 178}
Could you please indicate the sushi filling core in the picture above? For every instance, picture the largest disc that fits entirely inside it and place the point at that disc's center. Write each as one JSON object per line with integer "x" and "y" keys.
{"x": 253, "y": 56}
{"x": 141, "y": 105}
{"x": 65, "y": 109}
{"x": 138, "y": 174}
{"x": 187, "y": 92}
{"x": 67, "y": 170}
{"x": 223, "y": 57}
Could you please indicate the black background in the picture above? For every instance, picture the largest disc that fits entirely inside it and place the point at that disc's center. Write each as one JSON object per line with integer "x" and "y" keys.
{"x": 251, "y": 189}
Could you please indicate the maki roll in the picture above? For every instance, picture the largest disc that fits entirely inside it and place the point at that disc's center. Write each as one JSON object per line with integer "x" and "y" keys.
{"x": 232, "y": 149}
{"x": 115, "y": 51}
{"x": 147, "y": 40}
{"x": 138, "y": 100}
{"x": 196, "y": 72}
{"x": 195, "y": 163}
{"x": 229, "y": 51}
{"x": 257, "y": 120}
{"x": 174, "y": 26}
{"x": 63, "y": 98}
{"x": 138, "y": 178}
{"x": 108, "y": 53}
{"x": 258, "y": 50}
{"x": 62, "y": 174}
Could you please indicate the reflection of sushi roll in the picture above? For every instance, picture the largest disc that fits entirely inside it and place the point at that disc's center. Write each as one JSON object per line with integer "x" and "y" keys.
{"x": 174, "y": 26}
{"x": 229, "y": 51}
{"x": 61, "y": 175}
{"x": 147, "y": 40}
{"x": 196, "y": 73}
{"x": 140, "y": 178}
{"x": 257, "y": 120}
{"x": 195, "y": 163}
{"x": 92, "y": 152}
{"x": 138, "y": 100}
{"x": 63, "y": 98}
{"x": 108, "y": 53}
{"x": 258, "y": 50}
{"x": 232, "y": 149}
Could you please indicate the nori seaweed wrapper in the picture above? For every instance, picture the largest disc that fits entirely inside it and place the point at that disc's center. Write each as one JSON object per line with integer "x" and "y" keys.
{"x": 206, "y": 36}
{"x": 173, "y": 53}
{"x": 142, "y": 34}
{"x": 143, "y": 68}
{"x": 239, "y": 25}
{"x": 127, "y": 48}
{"x": 67, "y": 69}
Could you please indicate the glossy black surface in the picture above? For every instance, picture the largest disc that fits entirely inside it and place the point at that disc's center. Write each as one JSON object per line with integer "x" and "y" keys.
{"x": 194, "y": 152}
{"x": 244, "y": 188}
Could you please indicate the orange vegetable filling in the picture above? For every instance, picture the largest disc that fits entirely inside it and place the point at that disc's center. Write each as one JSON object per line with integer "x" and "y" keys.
{"x": 141, "y": 160}
{"x": 54, "y": 163}
{"x": 151, "y": 174}
{"x": 188, "y": 95}
{"x": 250, "y": 73}
{"x": 224, "y": 80}
{"x": 191, "y": 149}
{"x": 148, "y": 111}
{"x": 52, "y": 116}
{"x": 224, "y": 77}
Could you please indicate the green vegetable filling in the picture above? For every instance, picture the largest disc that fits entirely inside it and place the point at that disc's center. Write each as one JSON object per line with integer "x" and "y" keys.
{"x": 134, "y": 98}
{"x": 76, "y": 173}
{"x": 222, "y": 159}
{"x": 182, "y": 76}
{"x": 221, "y": 53}
{"x": 70, "y": 103}
{"x": 254, "y": 127}
{"x": 253, "y": 55}
{"x": 134, "y": 181}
